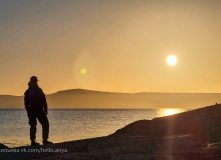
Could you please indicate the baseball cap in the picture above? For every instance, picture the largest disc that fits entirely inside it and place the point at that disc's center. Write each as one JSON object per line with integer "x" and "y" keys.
{"x": 34, "y": 79}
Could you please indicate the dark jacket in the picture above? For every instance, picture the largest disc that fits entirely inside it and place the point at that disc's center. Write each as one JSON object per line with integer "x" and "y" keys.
{"x": 34, "y": 98}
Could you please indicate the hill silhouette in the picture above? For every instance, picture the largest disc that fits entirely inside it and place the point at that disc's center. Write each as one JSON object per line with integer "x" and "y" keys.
{"x": 81, "y": 98}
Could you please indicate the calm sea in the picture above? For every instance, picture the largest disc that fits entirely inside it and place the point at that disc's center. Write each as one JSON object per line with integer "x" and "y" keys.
{"x": 72, "y": 124}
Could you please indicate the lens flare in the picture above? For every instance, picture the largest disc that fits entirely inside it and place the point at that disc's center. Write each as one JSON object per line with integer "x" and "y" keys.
{"x": 83, "y": 71}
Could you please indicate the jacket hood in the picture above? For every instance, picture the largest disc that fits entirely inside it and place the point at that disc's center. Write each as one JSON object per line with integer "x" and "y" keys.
{"x": 32, "y": 84}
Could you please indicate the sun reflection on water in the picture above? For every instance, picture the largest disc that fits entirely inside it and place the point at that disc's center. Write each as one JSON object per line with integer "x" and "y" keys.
{"x": 171, "y": 111}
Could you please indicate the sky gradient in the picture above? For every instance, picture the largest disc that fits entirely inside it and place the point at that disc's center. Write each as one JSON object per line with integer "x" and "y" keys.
{"x": 122, "y": 45}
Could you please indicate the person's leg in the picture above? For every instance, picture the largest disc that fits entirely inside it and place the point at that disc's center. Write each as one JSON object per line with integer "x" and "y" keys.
{"x": 42, "y": 118}
{"x": 33, "y": 124}
{"x": 33, "y": 129}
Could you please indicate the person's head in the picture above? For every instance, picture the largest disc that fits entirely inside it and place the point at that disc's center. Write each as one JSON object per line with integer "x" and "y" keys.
{"x": 33, "y": 82}
{"x": 34, "y": 79}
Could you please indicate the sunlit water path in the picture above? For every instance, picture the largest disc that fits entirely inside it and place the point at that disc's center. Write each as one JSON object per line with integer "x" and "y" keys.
{"x": 73, "y": 124}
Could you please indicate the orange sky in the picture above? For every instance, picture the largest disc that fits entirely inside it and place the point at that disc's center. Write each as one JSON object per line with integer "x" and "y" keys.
{"x": 123, "y": 45}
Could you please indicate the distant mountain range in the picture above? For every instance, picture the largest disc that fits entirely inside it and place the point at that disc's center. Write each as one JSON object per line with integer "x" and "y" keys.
{"x": 81, "y": 98}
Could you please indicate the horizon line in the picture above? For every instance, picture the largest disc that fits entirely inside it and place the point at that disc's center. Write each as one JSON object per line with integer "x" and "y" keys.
{"x": 122, "y": 92}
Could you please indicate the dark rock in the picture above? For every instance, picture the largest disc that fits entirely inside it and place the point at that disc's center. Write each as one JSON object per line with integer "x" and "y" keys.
{"x": 2, "y": 146}
{"x": 205, "y": 122}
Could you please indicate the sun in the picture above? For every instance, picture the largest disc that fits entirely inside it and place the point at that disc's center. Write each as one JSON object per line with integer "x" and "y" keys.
{"x": 171, "y": 60}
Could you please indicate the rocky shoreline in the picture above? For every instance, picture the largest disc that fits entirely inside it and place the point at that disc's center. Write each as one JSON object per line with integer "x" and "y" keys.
{"x": 190, "y": 135}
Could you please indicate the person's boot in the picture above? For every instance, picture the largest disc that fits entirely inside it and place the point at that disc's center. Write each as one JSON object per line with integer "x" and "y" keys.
{"x": 47, "y": 142}
{"x": 33, "y": 143}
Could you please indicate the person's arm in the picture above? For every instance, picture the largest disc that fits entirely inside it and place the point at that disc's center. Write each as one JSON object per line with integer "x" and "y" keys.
{"x": 26, "y": 102}
{"x": 44, "y": 103}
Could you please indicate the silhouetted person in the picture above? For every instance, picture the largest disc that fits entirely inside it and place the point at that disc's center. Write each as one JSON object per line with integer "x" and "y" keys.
{"x": 36, "y": 106}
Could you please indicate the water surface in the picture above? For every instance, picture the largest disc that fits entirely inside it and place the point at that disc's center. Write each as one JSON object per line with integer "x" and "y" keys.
{"x": 72, "y": 124}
